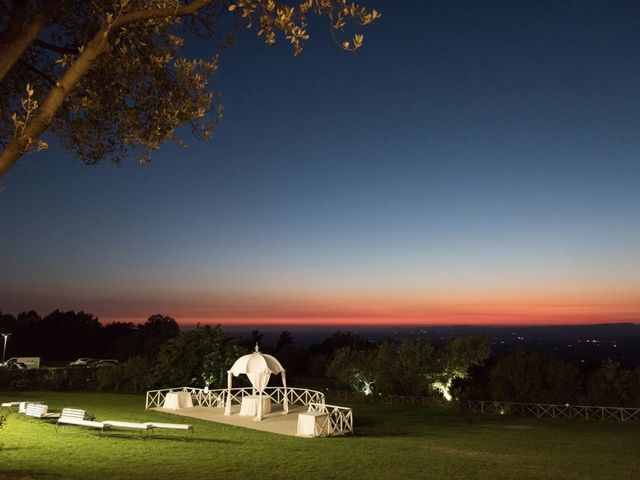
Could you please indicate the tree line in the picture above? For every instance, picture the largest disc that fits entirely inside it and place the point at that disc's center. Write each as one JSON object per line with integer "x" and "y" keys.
{"x": 465, "y": 368}
{"x": 158, "y": 354}
{"x": 67, "y": 335}
{"x": 541, "y": 377}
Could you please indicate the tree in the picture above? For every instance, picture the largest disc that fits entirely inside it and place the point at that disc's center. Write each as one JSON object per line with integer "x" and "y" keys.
{"x": 200, "y": 356}
{"x": 28, "y": 319}
{"x": 612, "y": 385}
{"x": 322, "y": 353}
{"x": 534, "y": 377}
{"x": 156, "y": 331}
{"x": 114, "y": 336}
{"x": 256, "y": 338}
{"x": 289, "y": 356}
{"x": 456, "y": 360}
{"x": 353, "y": 368}
{"x": 410, "y": 367}
{"x": 285, "y": 341}
{"x": 137, "y": 372}
{"x": 110, "y": 78}
{"x": 65, "y": 335}
{"x": 8, "y": 322}
{"x": 415, "y": 361}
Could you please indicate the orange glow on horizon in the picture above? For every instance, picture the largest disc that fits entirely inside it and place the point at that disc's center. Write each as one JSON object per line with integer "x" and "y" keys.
{"x": 377, "y": 309}
{"x": 478, "y": 319}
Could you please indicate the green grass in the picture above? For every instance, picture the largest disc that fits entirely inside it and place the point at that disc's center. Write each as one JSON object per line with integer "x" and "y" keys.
{"x": 390, "y": 442}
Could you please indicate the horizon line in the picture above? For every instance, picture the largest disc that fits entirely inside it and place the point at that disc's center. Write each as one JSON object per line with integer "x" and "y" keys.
{"x": 247, "y": 324}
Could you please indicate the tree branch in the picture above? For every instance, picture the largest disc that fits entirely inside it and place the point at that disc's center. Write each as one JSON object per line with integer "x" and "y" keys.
{"x": 141, "y": 15}
{"x": 56, "y": 48}
{"x": 13, "y": 46}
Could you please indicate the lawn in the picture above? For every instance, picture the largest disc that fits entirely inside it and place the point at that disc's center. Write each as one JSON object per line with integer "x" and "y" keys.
{"x": 389, "y": 442}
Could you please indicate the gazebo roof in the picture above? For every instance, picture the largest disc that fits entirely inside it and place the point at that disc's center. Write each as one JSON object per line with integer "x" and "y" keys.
{"x": 256, "y": 363}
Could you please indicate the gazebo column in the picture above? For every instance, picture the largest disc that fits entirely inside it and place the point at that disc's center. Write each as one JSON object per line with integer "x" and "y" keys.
{"x": 227, "y": 408}
{"x": 259, "y": 417}
{"x": 285, "y": 402}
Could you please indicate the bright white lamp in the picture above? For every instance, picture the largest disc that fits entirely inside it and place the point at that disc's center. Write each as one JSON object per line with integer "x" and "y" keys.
{"x": 4, "y": 350}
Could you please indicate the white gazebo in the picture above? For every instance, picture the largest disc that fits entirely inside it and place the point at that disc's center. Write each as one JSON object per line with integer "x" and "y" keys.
{"x": 258, "y": 367}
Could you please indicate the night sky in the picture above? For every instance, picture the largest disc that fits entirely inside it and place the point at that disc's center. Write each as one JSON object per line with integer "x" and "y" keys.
{"x": 475, "y": 162}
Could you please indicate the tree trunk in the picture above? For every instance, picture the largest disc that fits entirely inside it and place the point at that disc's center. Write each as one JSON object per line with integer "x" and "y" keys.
{"x": 17, "y": 37}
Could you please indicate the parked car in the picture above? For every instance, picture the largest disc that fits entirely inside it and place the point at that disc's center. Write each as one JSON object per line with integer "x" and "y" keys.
{"x": 81, "y": 362}
{"x": 12, "y": 363}
{"x": 105, "y": 363}
{"x": 29, "y": 362}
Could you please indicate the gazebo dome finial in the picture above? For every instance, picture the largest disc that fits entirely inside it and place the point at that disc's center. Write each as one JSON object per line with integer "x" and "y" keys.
{"x": 257, "y": 348}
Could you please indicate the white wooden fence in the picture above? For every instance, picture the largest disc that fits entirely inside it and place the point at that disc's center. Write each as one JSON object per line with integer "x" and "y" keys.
{"x": 415, "y": 400}
{"x": 338, "y": 422}
{"x": 542, "y": 410}
{"x": 218, "y": 398}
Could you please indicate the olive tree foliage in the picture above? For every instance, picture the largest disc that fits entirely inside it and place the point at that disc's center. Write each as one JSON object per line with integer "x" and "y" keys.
{"x": 353, "y": 369}
{"x": 198, "y": 357}
{"x": 410, "y": 367}
{"x": 613, "y": 385}
{"x": 455, "y": 361}
{"x": 401, "y": 367}
{"x": 534, "y": 377}
{"x": 110, "y": 77}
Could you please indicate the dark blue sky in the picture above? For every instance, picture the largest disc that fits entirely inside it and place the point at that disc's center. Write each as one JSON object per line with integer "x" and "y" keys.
{"x": 474, "y": 162}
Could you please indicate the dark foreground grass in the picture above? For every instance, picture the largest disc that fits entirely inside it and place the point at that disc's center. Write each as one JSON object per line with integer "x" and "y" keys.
{"x": 390, "y": 442}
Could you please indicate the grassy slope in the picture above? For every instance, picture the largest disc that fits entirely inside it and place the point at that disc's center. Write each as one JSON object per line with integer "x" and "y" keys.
{"x": 390, "y": 442}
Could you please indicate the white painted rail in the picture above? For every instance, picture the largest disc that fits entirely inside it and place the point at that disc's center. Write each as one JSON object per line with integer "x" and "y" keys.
{"x": 338, "y": 422}
{"x": 542, "y": 410}
{"x": 218, "y": 397}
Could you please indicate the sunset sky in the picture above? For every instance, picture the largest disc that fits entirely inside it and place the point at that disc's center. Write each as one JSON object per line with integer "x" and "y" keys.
{"x": 473, "y": 163}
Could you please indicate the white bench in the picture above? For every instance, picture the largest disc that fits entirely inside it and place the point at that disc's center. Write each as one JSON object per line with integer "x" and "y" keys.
{"x": 74, "y": 416}
{"x": 39, "y": 410}
{"x": 11, "y": 404}
{"x": 185, "y": 427}
{"x": 142, "y": 428}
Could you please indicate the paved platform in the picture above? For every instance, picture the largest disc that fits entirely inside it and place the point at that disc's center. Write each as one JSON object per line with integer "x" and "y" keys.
{"x": 274, "y": 422}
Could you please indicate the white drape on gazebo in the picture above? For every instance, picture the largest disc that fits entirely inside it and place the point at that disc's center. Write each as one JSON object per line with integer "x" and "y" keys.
{"x": 258, "y": 367}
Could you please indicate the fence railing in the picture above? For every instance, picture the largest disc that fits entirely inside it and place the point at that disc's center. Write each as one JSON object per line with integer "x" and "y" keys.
{"x": 218, "y": 398}
{"x": 543, "y": 410}
{"x": 155, "y": 398}
{"x": 389, "y": 399}
{"x": 304, "y": 396}
{"x": 339, "y": 420}
{"x": 416, "y": 400}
